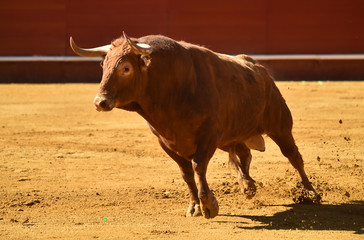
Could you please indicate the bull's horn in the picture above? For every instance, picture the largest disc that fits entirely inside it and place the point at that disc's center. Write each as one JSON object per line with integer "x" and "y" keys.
{"x": 139, "y": 48}
{"x": 91, "y": 52}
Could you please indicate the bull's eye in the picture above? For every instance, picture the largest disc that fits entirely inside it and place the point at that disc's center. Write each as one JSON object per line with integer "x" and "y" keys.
{"x": 124, "y": 68}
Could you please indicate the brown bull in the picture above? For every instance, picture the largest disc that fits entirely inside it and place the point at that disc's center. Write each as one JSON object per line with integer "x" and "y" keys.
{"x": 195, "y": 101}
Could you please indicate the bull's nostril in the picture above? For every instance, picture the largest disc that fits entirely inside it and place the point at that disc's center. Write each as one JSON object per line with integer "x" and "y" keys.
{"x": 103, "y": 104}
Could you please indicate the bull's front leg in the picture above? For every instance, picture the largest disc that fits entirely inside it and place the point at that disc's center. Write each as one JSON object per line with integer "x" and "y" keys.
{"x": 194, "y": 209}
{"x": 209, "y": 204}
{"x": 188, "y": 175}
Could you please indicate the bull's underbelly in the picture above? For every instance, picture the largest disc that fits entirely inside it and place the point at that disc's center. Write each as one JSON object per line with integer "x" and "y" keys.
{"x": 185, "y": 148}
{"x": 181, "y": 138}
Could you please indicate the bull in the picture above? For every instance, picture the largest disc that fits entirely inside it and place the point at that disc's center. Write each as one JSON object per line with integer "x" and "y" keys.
{"x": 196, "y": 101}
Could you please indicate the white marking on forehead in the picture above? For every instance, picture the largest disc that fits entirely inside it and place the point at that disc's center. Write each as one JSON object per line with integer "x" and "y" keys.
{"x": 143, "y": 45}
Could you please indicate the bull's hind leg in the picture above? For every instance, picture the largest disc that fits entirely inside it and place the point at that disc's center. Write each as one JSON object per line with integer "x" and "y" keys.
{"x": 187, "y": 172}
{"x": 242, "y": 165}
{"x": 286, "y": 143}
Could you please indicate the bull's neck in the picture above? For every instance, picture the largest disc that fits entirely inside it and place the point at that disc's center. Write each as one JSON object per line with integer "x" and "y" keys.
{"x": 160, "y": 107}
{"x": 153, "y": 112}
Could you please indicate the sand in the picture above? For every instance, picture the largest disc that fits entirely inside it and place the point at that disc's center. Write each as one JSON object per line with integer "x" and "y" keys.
{"x": 70, "y": 172}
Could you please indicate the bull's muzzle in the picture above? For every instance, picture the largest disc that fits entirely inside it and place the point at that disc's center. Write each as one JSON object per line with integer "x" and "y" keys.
{"x": 103, "y": 104}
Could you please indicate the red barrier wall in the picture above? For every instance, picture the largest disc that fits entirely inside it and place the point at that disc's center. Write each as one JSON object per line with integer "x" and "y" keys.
{"x": 43, "y": 27}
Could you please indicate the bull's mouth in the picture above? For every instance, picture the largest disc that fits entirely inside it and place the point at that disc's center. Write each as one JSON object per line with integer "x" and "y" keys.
{"x": 103, "y": 104}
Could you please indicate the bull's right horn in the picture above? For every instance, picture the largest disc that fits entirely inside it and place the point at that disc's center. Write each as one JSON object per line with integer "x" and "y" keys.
{"x": 91, "y": 52}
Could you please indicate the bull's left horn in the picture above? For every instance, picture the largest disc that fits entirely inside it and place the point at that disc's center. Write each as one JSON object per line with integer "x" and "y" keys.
{"x": 91, "y": 52}
{"x": 139, "y": 48}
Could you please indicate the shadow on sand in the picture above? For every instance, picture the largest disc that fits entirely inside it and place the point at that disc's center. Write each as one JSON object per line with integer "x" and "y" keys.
{"x": 343, "y": 217}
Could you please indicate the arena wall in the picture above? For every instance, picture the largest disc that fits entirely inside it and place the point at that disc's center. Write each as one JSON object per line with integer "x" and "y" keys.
{"x": 268, "y": 27}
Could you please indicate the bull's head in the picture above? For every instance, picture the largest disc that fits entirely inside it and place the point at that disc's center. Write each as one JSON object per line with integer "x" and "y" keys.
{"x": 124, "y": 66}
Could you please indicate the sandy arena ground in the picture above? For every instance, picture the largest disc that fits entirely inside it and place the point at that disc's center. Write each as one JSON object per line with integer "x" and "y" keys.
{"x": 70, "y": 172}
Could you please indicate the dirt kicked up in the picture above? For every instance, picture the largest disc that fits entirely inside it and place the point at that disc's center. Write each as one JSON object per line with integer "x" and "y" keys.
{"x": 69, "y": 172}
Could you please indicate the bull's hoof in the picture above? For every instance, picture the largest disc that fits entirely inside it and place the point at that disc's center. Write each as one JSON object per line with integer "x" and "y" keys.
{"x": 248, "y": 188}
{"x": 314, "y": 196}
{"x": 209, "y": 206}
{"x": 194, "y": 210}
{"x": 250, "y": 192}
{"x": 304, "y": 196}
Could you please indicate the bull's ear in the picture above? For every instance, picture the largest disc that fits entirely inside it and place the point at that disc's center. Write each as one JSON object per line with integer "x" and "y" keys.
{"x": 145, "y": 61}
{"x": 102, "y": 61}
